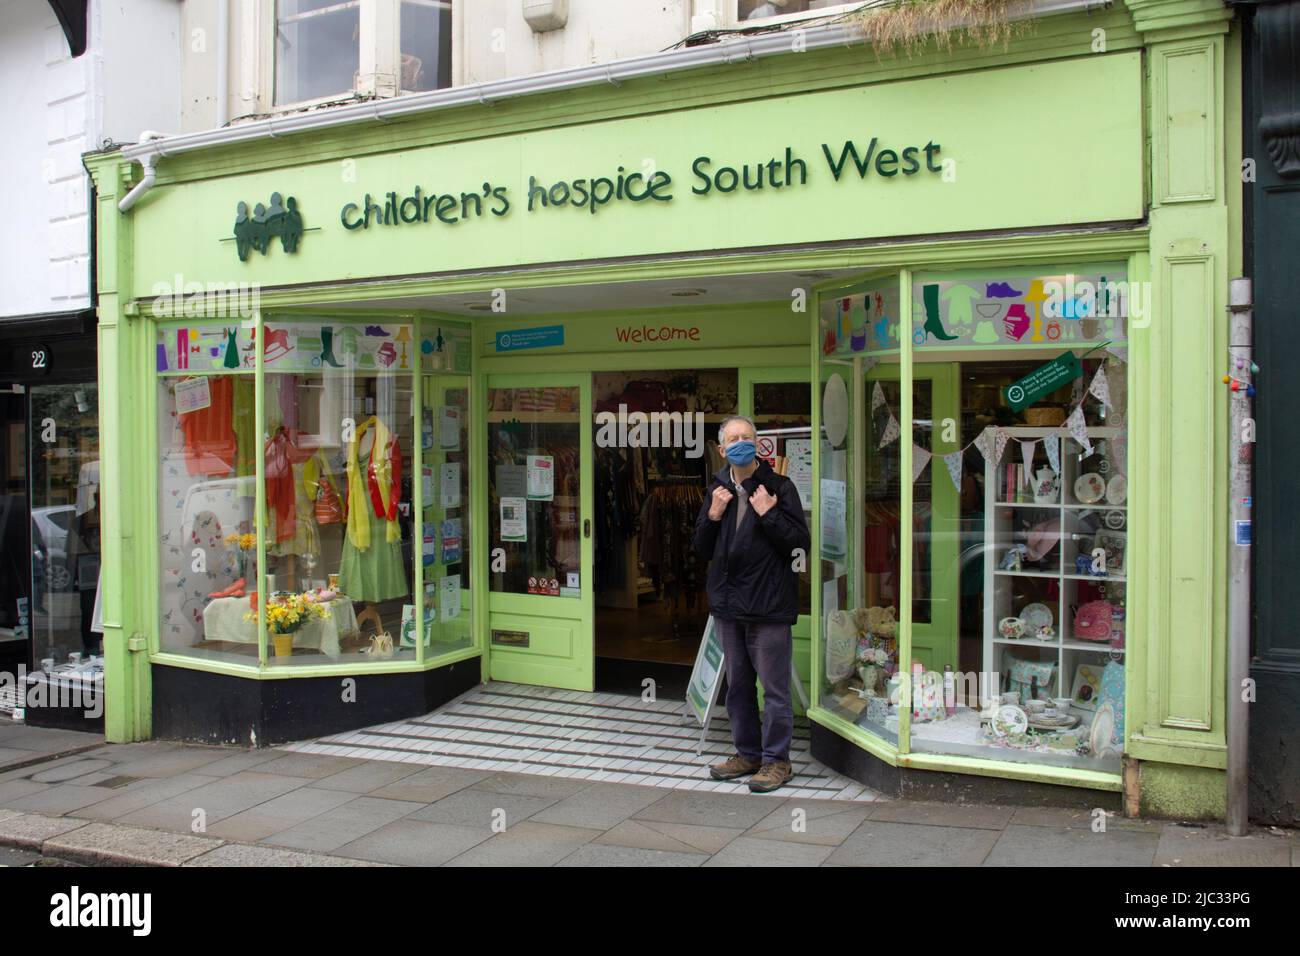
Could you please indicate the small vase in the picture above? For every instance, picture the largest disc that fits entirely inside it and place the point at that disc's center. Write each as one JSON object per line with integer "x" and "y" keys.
{"x": 283, "y": 644}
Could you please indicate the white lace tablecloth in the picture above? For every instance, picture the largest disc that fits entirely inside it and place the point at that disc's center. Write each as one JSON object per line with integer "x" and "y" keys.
{"x": 223, "y": 620}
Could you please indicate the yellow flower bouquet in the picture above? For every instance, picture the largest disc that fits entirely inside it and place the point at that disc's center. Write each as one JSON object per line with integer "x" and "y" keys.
{"x": 287, "y": 615}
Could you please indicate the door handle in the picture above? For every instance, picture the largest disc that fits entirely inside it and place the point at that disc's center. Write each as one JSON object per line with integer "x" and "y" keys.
{"x": 586, "y": 527}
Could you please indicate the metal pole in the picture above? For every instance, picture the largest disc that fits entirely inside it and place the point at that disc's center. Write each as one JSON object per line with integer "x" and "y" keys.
{"x": 1241, "y": 436}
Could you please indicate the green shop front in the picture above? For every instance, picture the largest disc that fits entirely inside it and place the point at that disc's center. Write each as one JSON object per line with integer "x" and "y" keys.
{"x": 391, "y": 409}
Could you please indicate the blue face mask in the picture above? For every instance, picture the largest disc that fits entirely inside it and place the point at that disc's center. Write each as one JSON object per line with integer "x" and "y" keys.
{"x": 741, "y": 453}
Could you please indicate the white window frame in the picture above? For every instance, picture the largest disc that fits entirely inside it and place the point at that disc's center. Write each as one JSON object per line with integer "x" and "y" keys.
{"x": 379, "y": 59}
{"x": 733, "y": 13}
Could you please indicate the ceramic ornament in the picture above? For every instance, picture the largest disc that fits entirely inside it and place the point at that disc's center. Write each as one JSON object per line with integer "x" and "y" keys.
{"x": 1101, "y": 386}
{"x": 1052, "y": 445}
{"x": 1078, "y": 429}
{"x": 877, "y": 397}
{"x": 892, "y": 431}
{"x": 920, "y": 458}
{"x": 953, "y": 461}
{"x": 1027, "y": 453}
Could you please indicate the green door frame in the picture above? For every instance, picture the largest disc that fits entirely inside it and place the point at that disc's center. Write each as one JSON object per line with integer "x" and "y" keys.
{"x": 561, "y": 649}
{"x": 934, "y": 643}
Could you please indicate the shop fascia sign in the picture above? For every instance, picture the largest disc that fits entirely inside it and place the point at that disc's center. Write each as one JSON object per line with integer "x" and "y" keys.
{"x": 869, "y": 159}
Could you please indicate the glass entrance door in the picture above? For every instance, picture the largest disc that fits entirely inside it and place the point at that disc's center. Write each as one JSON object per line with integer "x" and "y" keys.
{"x": 539, "y": 530}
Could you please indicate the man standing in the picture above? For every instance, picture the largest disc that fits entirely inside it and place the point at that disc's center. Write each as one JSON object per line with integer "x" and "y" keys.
{"x": 752, "y": 530}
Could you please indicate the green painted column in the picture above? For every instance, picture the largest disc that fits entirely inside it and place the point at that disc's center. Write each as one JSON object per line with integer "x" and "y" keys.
{"x": 1178, "y": 440}
{"x": 129, "y": 600}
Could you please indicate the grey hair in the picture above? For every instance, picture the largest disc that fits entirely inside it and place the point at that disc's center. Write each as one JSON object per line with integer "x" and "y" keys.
{"x": 722, "y": 429}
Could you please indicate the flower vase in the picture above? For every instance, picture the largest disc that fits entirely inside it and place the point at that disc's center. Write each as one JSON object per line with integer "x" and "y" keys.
{"x": 283, "y": 644}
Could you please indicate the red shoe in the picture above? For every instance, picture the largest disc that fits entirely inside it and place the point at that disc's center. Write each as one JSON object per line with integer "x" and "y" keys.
{"x": 230, "y": 591}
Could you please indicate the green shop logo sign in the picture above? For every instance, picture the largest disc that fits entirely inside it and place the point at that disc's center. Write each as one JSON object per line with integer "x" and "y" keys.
{"x": 870, "y": 160}
{"x": 254, "y": 232}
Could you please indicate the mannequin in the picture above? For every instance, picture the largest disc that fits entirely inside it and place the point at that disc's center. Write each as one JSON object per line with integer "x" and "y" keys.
{"x": 372, "y": 569}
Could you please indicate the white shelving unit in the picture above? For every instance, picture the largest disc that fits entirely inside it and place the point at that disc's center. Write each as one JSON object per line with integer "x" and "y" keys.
{"x": 1008, "y": 592}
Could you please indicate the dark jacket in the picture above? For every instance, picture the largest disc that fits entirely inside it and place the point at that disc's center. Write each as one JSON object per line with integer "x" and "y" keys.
{"x": 751, "y": 570}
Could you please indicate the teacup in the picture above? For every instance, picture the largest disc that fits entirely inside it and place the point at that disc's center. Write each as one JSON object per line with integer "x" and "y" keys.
{"x": 1035, "y": 706}
{"x": 1050, "y": 713}
{"x": 1063, "y": 704}
{"x": 1012, "y": 628}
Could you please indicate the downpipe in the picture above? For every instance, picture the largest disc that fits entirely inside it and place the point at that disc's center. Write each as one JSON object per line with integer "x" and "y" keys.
{"x": 1241, "y": 437}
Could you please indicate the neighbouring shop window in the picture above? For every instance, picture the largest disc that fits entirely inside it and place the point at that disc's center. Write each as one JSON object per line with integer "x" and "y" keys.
{"x": 66, "y": 524}
{"x": 1019, "y": 523}
{"x": 761, "y": 9}
{"x": 534, "y": 457}
{"x": 337, "y": 450}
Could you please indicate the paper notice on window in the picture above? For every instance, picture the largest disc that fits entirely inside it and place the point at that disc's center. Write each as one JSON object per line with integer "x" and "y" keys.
{"x": 512, "y": 481}
{"x": 426, "y": 486}
{"x": 798, "y": 451}
{"x": 192, "y": 395}
{"x": 450, "y": 484}
{"x": 833, "y": 519}
{"x": 449, "y": 596}
{"x": 449, "y": 421}
{"x": 514, "y": 519}
{"x": 541, "y": 478}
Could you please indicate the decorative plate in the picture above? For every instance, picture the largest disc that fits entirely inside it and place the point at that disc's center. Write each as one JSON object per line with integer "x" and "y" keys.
{"x": 1053, "y": 723}
{"x": 835, "y": 410}
{"x": 1090, "y": 488}
{"x": 1010, "y": 719}
{"x": 1115, "y": 520}
{"x": 1103, "y": 730}
{"x": 1117, "y": 490}
{"x": 1036, "y": 616}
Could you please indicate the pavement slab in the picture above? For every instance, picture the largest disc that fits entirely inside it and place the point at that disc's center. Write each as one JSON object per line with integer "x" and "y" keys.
{"x": 527, "y": 844}
{"x": 882, "y": 843}
{"x": 328, "y": 831}
{"x": 412, "y": 842}
{"x": 1071, "y": 847}
{"x": 1203, "y": 846}
{"x": 116, "y": 844}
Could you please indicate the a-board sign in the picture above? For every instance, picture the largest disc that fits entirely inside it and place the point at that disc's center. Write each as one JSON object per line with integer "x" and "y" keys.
{"x": 702, "y": 691}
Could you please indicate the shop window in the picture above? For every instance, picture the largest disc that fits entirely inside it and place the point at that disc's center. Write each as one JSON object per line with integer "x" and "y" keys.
{"x": 319, "y": 54}
{"x": 1013, "y": 643}
{"x": 783, "y": 416}
{"x": 333, "y": 566}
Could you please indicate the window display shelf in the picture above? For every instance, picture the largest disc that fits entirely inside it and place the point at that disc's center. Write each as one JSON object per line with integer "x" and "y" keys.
{"x": 1050, "y": 535}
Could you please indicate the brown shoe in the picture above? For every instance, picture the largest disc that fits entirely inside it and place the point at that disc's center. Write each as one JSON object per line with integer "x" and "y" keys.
{"x": 733, "y": 767}
{"x": 773, "y": 776}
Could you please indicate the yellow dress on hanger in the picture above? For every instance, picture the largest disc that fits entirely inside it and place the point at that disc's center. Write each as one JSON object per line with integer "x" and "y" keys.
{"x": 372, "y": 567}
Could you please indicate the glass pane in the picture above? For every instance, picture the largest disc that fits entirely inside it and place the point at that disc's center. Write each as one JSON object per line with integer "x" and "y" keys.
{"x": 339, "y": 446}
{"x": 757, "y": 9}
{"x": 426, "y": 45}
{"x": 783, "y": 416}
{"x": 15, "y": 609}
{"x": 66, "y": 522}
{"x": 533, "y": 502}
{"x": 1043, "y": 592}
{"x": 207, "y": 444}
{"x": 444, "y": 437}
{"x": 860, "y": 512}
{"x": 317, "y": 49}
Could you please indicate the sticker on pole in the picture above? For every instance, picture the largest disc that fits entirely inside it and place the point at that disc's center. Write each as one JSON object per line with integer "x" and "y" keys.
{"x": 1044, "y": 380}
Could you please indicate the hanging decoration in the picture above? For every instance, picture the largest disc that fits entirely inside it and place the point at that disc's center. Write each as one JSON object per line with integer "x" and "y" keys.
{"x": 877, "y": 396}
{"x": 1027, "y": 453}
{"x": 920, "y": 458}
{"x": 1078, "y": 429}
{"x": 892, "y": 431}
{"x": 1052, "y": 445}
{"x": 953, "y": 461}
{"x": 1100, "y": 386}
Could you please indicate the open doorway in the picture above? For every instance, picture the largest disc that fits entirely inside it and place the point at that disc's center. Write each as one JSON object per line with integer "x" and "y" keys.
{"x": 655, "y": 448}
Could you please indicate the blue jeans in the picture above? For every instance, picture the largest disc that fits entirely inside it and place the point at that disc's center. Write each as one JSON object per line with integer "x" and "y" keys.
{"x": 763, "y": 651}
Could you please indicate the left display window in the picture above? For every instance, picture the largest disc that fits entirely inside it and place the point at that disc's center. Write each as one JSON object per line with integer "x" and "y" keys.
{"x": 327, "y": 445}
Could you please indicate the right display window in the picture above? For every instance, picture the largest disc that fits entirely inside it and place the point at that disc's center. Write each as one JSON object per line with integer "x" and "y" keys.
{"x": 1010, "y": 641}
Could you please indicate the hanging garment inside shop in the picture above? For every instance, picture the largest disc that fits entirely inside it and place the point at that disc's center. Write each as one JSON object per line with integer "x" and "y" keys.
{"x": 373, "y": 568}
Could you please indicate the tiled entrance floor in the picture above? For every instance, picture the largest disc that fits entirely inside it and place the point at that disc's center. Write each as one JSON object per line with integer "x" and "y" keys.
{"x": 562, "y": 733}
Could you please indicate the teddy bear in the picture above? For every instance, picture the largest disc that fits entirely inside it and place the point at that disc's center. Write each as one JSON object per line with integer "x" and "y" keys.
{"x": 881, "y": 622}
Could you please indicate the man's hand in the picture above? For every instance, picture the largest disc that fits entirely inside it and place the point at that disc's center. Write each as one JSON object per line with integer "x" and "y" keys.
{"x": 761, "y": 501}
{"x": 718, "y": 507}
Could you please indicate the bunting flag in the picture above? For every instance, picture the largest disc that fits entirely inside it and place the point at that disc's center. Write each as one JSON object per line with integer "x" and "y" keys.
{"x": 1052, "y": 444}
{"x": 1000, "y": 439}
{"x": 984, "y": 442}
{"x": 1101, "y": 386}
{"x": 1119, "y": 351}
{"x": 1027, "y": 453}
{"x": 920, "y": 458}
{"x": 1078, "y": 429}
{"x": 892, "y": 431}
{"x": 877, "y": 397}
{"x": 953, "y": 461}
